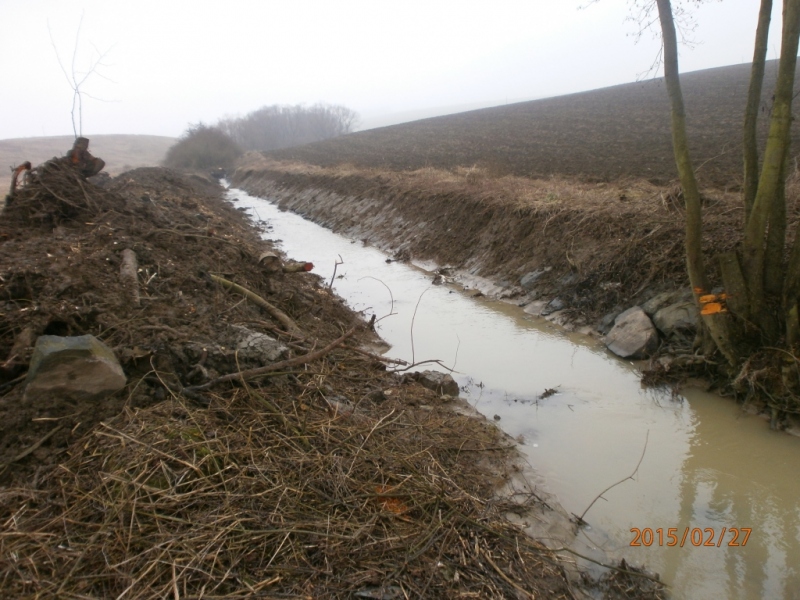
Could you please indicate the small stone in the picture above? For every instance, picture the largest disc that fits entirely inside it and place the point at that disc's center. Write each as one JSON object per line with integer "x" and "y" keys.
{"x": 441, "y": 383}
{"x": 256, "y": 347}
{"x": 536, "y": 307}
{"x": 528, "y": 281}
{"x": 659, "y": 301}
{"x": 555, "y": 305}
{"x": 607, "y": 322}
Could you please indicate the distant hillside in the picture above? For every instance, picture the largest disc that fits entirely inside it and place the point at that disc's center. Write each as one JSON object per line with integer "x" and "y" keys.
{"x": 121, "y": 152}
{"x": 605, "y": 134}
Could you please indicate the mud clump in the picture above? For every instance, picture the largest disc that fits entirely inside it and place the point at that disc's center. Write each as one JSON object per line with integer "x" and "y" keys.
{"x": 326, "y": 476}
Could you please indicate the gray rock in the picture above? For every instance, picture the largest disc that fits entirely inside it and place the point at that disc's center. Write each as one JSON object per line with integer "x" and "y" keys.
{"x": 529, "y": 280}
{"x": 568, "y": 279}
{"x": 607, "y": 322}
{"x": 73, "y": 368}
{"x": 659, "y": 301}
{"x": 257, "y": 347}
{"x": 633, "y": 335}
{"x": 235, "y": 347}
{"x": 441, "y": 383}
{"x": 536, "y": 307}
{"x": 554, "y": 305}
{"x": 681, "y": 316}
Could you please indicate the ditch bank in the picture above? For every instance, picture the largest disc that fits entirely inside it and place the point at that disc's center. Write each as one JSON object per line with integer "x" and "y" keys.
{"x": 577, "y": 253}
{"x": 235, "y": 459}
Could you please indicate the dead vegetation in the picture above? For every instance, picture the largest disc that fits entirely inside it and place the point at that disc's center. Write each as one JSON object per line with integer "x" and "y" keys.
{"x": 240, "y": 501}
{"x": 209, "y": 475}
{"x": 606, "y": 244}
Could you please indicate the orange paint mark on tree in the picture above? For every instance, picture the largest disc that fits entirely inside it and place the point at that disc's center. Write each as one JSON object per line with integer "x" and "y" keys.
{"x": 712, "y": 308}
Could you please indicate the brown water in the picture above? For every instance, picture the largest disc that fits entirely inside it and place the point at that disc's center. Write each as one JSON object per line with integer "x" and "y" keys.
{"x": 706, "y": 465}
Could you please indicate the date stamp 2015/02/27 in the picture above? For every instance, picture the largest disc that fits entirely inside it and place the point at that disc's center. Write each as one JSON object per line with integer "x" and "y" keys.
{"x": 695, "y": 536}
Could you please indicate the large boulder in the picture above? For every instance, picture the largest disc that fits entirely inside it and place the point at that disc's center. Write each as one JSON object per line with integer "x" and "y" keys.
{"x": 681, "y": 316}
{"x": 73, "y": 368}
{"x": 633, "y": 335}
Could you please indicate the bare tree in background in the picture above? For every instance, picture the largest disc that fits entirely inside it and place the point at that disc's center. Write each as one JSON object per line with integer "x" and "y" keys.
{"x": 76, "y": 78}
{"x": 274, "y": 127}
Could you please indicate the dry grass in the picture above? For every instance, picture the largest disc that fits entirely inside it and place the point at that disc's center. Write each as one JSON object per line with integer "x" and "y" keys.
{"x": 496, "y": 189}
{"x": 237, "y": 502}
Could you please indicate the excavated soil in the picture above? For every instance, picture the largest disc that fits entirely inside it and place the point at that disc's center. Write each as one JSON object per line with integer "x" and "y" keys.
{"x": 598, "y": 247}
{"x": 327, "y": 478}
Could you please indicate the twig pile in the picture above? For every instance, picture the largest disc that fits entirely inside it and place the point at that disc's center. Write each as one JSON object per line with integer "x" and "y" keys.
{"x": 236, "y": 502}
{"x": 57, "y": 192}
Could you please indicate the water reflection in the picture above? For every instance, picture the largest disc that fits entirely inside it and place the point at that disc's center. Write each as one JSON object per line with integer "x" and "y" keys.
{"x": 707, "y": 465}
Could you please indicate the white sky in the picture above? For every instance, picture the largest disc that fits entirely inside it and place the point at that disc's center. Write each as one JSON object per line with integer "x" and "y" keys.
{"x": 174, "y": 62}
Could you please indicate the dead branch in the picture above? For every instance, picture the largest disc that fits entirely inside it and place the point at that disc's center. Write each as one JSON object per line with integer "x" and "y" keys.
{"x": 631, "y": 476}
{"x": 274, "y": 311}
{"x": 129, "y": 274}
{"x": 243, "y": 376}
{"x": 391, "y": 297}
{"x": 612, "y": 567}
{"x": 336, "y": 264}
{"x": 391, "y": 361}
{"x": 413, "y": 318}
{"x": 507, "y": 579}
{"x": 297, "y": 267}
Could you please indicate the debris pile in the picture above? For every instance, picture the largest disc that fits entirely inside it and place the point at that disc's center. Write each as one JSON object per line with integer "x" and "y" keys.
{"x": 255, "y": 450}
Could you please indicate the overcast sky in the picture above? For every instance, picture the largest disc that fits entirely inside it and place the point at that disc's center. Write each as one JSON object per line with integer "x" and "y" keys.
{"x": 173, "y": 62}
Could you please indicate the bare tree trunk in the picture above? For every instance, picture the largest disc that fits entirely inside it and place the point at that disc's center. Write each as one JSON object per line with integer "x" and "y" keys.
{"x": 717, "y": 324}
{"x": 776, "y": 239}
{"x": 771, "y": 181}
{"x": 753, "y": 104}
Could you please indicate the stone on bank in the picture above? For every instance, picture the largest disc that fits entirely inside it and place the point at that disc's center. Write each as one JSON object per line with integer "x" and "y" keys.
{"x": 633, "y": 335}
{"x": 73, "y": 368}
{"x": 441, "y": 383}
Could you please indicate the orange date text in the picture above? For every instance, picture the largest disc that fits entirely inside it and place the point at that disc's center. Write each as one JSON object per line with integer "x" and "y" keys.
{"x": 691, "y": 536}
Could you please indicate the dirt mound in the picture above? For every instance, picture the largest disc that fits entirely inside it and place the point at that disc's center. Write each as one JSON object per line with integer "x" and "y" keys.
{"x": 320, "y": 475}
{"x": 60, "y": 266}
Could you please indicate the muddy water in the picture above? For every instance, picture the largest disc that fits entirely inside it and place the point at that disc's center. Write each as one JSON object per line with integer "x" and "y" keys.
{"x": 706, "y": 464}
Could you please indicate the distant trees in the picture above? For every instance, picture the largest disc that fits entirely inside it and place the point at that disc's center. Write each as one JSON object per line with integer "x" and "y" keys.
{"x": 762, "y": 287}
{"x": 203, "y": 147}
{"x": 274, "y": 127}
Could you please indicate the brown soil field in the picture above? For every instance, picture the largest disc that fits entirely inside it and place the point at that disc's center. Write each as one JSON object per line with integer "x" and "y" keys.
{"x": 211, "y": 474}
{"x": 602, "y": 135}
{"x": 121, "y": 152}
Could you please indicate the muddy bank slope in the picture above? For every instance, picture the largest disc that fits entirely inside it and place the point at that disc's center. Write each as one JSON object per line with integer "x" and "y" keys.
{"x": 595, "y": 247}
{"x": 320, "y": 474}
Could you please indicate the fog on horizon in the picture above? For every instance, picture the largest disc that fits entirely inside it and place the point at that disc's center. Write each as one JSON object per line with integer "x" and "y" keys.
{"x": 166, "y": 65}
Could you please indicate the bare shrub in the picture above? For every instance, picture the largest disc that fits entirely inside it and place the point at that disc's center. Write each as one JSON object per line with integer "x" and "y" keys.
{"x": 203, "y": 147}
{"x": 274, "y": 127}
